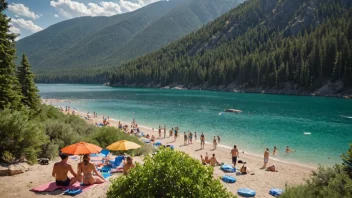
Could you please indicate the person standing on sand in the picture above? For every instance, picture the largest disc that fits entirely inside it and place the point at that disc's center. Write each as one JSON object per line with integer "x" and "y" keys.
{"x": 159, "y": 132}
{"x": 214, "y": 143}
{"x": 164, "y": 131}
{"x": 195, "y": 136}
{"x": 175, "y": 135}
{"x": 234, "y": 153}
{"x": 202, "y": 141}
{"x": 275, "y": 150}
{"x": 60, "y": 171}
{"x": 190, "y": 137}
{"x": 219, "y": 139}
{"x": 185, "y": 139}
{"x": 170, "y": 132}
{"x": 266, "y": 157}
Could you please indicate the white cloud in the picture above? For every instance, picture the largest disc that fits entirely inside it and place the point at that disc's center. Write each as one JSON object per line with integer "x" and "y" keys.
{"x": 21, "y": 10}
{"x": 25, "y": 24}
{"x": 70, "y": 8}
{"x": 14, "y": 29}
{"x": 56, "y": 16}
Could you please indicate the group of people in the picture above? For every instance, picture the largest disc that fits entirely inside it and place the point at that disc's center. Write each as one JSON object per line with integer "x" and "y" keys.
{"x": 212, "y": 161}
{"x": 86, "y": 171}
{"x": 188, "y": 137}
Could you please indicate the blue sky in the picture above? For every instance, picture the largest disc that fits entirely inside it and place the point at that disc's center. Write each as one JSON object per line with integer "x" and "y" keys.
{"x": 30, "y": 16}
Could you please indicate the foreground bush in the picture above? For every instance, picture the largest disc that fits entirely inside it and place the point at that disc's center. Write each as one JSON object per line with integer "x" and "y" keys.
{"x": 329, "y": 182}
{"x": 20, "y": 136}
{"x": 168, "y": 174}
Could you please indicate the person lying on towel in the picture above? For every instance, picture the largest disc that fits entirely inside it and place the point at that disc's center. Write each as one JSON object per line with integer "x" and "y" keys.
{"x": 60, "y": 171}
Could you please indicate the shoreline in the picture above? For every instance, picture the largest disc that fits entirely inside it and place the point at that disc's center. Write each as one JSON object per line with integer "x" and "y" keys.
{"x": 260, "y": 180}
{"x": 252, "y": 90}
{"x": 155, "y": 132}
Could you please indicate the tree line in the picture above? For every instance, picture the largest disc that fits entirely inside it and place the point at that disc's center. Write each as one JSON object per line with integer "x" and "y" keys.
{"x": 258, "y": 53}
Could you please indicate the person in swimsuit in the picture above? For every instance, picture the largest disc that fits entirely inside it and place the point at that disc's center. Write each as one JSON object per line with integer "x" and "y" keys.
{"x": 164, "y": 131}
{"x": 195, "y": 136}
{"x": 159, "y": 132}
{"x": 213, "y": 162}
{"x": 60, "y": 171}
{"x": 171, "y": 132}
{"x": 185, "y": 138}
{"x": 190, "y": 137}
{"x": 275, "y": 150}
{"x": 87, "y": 168}
{"x": 128, "y": 165}
{"x": 266, "y": 157}
{"x": 234, "y": 153}
{"x": 202, "y": 141}
{"x": 175, "y": 134}
{"x": 219, "y": 139}
{"x": 214, "y": 143}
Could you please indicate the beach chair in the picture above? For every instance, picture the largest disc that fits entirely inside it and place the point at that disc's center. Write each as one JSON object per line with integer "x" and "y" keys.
{"x": 105, "y": 152}
{"x": 118, "y": 160}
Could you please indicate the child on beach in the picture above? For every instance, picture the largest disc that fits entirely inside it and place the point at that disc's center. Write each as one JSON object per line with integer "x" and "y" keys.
{"x": 275, "y": 150}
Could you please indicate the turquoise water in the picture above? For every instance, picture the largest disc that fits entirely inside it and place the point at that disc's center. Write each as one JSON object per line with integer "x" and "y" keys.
{"x": 266, "y": 121}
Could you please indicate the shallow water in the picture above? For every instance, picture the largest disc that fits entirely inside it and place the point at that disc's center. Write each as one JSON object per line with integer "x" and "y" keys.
{"x": 318, "y": 128}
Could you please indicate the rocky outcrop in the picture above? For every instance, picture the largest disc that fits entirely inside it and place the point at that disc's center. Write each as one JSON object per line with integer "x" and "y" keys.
{"x": 13, "y": 169}
{"x": 4, "y": 170}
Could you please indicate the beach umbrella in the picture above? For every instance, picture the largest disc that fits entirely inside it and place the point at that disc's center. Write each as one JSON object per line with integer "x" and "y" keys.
{"x": 123, "y": 145}
{"x": 81, "y": 148}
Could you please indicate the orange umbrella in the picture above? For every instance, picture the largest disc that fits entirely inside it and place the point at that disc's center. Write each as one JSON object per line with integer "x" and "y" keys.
{"x": 81, "y": 148}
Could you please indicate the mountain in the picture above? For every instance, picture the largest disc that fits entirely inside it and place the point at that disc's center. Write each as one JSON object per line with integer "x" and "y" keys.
{"x": 100, "y": 42}
{"x": 275, "y": 46}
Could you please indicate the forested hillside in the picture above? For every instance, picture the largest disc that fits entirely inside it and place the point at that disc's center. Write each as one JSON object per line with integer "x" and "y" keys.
{"x": 273, "y": 45}
{"x": 92, "y": 43}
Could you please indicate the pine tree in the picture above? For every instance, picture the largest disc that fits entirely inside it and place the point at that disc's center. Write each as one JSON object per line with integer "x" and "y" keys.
{"x": 28, "y": 87}
{"x": 9, "y": 93}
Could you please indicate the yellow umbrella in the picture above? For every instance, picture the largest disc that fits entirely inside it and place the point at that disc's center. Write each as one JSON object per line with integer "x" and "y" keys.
{"x": 123, "y": 145}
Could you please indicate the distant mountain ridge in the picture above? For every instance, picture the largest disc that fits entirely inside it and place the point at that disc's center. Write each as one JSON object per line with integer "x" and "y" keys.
{"x": 101, "y": 42}
{"x": 266, "y": 46}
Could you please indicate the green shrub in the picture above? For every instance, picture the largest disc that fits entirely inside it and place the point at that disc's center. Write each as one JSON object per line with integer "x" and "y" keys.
{"x": 60, "y": 133}
{"x": 20, "y": 136}
{"x": 168, "y": 174}
{"x": 332, "y": 182}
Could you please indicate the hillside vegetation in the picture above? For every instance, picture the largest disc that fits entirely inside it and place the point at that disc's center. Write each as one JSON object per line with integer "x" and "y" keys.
{"x": 94, "y": 43}
{"x": 274, "y": 45}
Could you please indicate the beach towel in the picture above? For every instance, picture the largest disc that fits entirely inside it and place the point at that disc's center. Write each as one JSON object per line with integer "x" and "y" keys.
{"x": 228, "y": 179}
{"x": 227, "y": 168}
{"x": 276, "y": 192}
{"x": 51, "y": 187}
{"x": 246, "y": 192}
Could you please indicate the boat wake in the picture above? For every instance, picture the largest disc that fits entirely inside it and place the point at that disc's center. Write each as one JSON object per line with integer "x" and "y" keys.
{"x": 349, "y": 117}
{"x": 307, "y": 133}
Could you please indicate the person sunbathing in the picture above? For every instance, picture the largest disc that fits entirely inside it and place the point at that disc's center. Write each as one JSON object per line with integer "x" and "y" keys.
{"x": 213, "y": 161}
{"x": 272, "y": 168}
{"x": 204, "y": 162}
{"x": 87, "y": 168}
{"x": 60, "y": 171}
{"x": 244, "y": 169}
{"x": 128, "y": 165}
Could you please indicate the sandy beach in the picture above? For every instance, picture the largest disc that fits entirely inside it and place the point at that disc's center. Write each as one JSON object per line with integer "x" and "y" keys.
{"x": 262, "y": 181}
